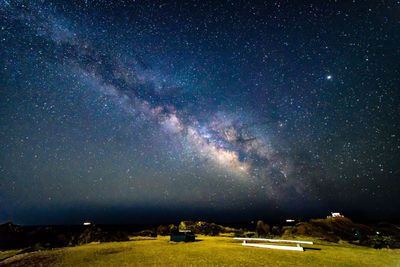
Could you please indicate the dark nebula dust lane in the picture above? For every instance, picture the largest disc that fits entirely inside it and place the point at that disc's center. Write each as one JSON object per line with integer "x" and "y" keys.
{"x": 161, "y": 110}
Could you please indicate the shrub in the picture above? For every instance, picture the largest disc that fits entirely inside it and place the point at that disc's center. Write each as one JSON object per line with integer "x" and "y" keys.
{"x": 163, "y": 230}
{"x": 173, "y": 228}
{"x": 262, "y": 229}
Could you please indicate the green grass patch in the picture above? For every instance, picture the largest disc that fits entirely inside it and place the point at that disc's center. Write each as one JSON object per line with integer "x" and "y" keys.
{"x": 208, "y": 251}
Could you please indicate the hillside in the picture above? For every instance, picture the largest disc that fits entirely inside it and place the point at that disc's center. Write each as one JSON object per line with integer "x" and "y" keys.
{"x": 208, "y": 251}
{"x": 342, "y": 228}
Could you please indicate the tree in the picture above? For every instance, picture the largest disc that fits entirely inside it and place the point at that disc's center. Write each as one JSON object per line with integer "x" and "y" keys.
{"x": 172, "y": 228}
{"x": 262, "y": 229}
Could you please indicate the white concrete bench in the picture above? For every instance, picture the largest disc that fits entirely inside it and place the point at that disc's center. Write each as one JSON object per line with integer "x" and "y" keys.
{"x": 298, "y": 243}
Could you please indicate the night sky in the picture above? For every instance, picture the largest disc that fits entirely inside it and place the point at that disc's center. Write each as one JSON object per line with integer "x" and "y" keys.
{"x": 150, "y": 111}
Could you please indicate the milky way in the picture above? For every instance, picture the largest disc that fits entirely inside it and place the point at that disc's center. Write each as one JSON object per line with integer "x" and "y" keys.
{"x": 197, "y": 108}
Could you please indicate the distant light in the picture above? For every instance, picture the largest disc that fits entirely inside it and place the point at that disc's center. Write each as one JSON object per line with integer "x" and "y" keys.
{"x": 87, "y": 223}
{"x": 329, "y": 77}
{"x": 289, "y": 220}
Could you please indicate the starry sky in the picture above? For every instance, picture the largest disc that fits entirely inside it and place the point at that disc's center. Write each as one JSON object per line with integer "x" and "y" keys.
{"x": 145, "y": 111}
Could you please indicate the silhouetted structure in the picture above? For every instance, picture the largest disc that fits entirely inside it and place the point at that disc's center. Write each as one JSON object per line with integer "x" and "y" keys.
{"x": 183, "y": 236}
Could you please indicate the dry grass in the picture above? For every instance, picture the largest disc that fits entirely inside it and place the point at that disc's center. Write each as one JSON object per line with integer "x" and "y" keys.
{"x": 209, "y": 251}
{"x": 8, "y": 253}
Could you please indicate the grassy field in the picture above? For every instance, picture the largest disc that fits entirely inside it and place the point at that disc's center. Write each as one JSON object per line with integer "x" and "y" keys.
{"x": 208, "y": 251}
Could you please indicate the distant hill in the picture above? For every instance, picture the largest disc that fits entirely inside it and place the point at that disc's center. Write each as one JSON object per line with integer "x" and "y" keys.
{"x": 40, "y": 237}
{"x": 334, "y": 229}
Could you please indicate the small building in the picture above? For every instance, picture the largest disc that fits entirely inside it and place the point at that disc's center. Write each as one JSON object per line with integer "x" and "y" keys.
{"x": 336, "y": 214}
{"x": 183, "y": 236}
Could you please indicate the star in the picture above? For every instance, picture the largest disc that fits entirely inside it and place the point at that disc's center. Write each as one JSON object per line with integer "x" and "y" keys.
{"x": 199, "y": 100}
